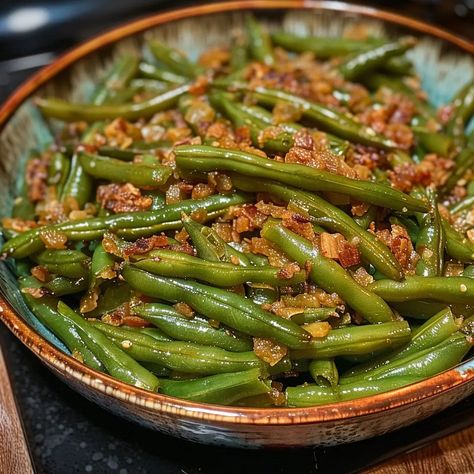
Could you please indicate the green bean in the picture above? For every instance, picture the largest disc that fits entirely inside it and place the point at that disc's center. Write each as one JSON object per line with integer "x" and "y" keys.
{"x": 426, "y": 363}
{"x": 210, "y": 246}
{"x": 116, "y": 170}
{"x": 181, "y": 356}
{"x": 44, "y": 309}
{"x": 365, "y": 302}
{"x": 229, "y": 308}
{"x": 118, "y": 77}
{"x": 356, "y": 340}
{"x": 458, "y": 246}
{"x": 178, "y": 264}
{"x": 69, "y": 112}
{"x": 365, "y": 220}
{"x": 332, "y": 218}
{"x": 129, "y": 154}
{"x": 398, "y": 66}
{"x": 324, "y": 372}
{"x": 78, "y": 185}
{"x": 153, "y": 72}
{"x": 118, "y": 364}
{"x": 60, "y": 286}
{"x": 418, "y": 309}
{"x": 443, "y": 289}
{"x": 148, "y": 85}
{"x": 222, "y": 389}
{"x": 311, "y": 395}
{"x": 238, "y": 56}
{"x": 67, "y": 263}
{"x": 134, "y": 224}
{"x": 366, "y": 61}
{"x": 330, "y": 120}
{"x": 434, "y": 331}
{"x": 468, "y": 271}
{"x": 174, "y": 60}
{"x": 262, "y": 294}
{"x": 321, "y": 47}
{"x": 208, "y": 158}
{"x": 195, "y": 330}
{"x": 58, "y": 170}
{"x": 464, "y": 163}
{"x": 260, "y": 44}
{"x": 133, "y": 335}
{"x": 431, "y": 239}
{"x": 463, "y": 104}
{"x": 463, "y": 205}
{"x": 311, "y": 315}
{"x": 438, "y": 143}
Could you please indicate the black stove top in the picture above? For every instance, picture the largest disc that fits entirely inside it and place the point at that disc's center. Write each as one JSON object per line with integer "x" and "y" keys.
{"x": 68, "y": 434}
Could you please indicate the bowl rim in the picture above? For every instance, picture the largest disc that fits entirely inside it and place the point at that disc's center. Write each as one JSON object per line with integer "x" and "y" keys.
{"x": 156, "y": 402}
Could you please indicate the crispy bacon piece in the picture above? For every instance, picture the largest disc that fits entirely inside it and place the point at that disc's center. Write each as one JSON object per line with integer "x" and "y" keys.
{"x": 335, "y": 246}
{"x": 122, "y": 198}
{"x": 144, "y": 245}
{"x": 399, "y": 243}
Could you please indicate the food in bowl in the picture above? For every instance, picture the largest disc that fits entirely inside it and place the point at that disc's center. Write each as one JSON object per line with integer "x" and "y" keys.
{"x": 285, "y": 222}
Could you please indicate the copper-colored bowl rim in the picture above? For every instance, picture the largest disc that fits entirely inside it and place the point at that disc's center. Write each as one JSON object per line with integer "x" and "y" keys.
{"x": 424, "y": 390}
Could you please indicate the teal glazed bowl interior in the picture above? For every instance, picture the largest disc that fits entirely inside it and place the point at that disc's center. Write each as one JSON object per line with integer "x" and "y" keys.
{"x": 444, "y": 63}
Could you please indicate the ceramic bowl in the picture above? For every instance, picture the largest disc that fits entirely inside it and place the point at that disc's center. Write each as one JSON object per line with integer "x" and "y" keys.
{"x": 444, "y": 62}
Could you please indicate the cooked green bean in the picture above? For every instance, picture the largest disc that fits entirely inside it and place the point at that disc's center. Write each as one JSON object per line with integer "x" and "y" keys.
{"x": 208, "y": 158}
{"x": 260, "y": 45}
{"x": 67, "y": 263}
{"x": 446, "y": 290}
{"x": 229, "y": 308}
{"x": 69, "y": 112}
{"x": 324, "y": 372}
{"x": 366, "y": 303}
{"x": 181, "y": 265}
{"x": 195, "y": 330}
{"x": 153, "y": 72}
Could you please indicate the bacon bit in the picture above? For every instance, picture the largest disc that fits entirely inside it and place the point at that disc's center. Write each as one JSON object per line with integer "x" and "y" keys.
{"x": 34, "y": 292}
{"x": 262, "y": 246}
{"x": 362, "y": 277}
{"x": 40, "y": 273}
{"x": 52, "y": 239}
{"x": 174, "y": 194}
{"x": 288, "y": 271}
{"x": 268, "y": 350}
{"x": 177, "y": 134}
{"x": 36, "y": 178}
{"x": 470, "y": 235}
{"x": 329, "y": 246}
{"x": 201, "y": 191}
{"x": 220, "y": 181}
{"x": 453, "y": 269}
{"x": 400, "y": 245}
{"x": 89, "y": 301}
{"x": 184, "y": 309}
{"x": 270, "y": 209}
{"x": 366, "y": 156}
{"x": 246, "y": 218}
{"x": 199, "y": 86}
{"x": 277, "y": 394}
{"x": 17, "y": 224}
{"x": 121, "y": 133}
{"x": 318, "y": 328}
{"x": 328, "y": 299}
{"x": 144, "y": 245}
{"x": 199, "y": 215}
{"x": 300, "y": 225}
{"x": 184, "y": 247}
{"x": 214, "y": 58}
{"x": 349, "y": 254}
{"x": 223, "y": 230}
{"x": 401, "y": 134}
{"x": 359, "y": 208}
{"x": 122, "y": 198}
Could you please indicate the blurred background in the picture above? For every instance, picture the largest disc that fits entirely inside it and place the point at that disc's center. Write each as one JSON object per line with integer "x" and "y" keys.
{"x": 33, "y": 32}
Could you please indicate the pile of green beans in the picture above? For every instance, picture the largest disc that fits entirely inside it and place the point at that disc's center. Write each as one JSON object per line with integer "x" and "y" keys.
{"x": 231, "y": 230}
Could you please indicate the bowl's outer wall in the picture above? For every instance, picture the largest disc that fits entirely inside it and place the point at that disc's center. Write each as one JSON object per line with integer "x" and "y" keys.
{"x": 443, "y": 67}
